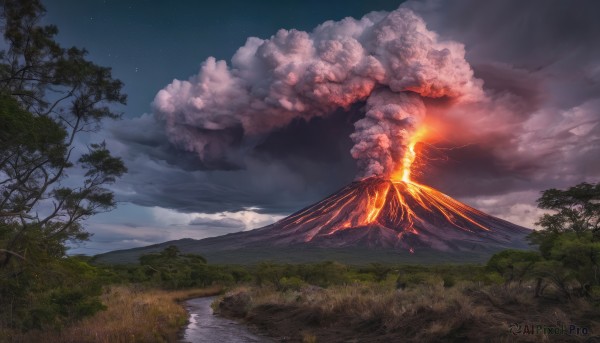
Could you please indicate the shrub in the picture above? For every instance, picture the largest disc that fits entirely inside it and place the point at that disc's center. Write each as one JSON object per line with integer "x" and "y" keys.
{"x": 292, "y": 283}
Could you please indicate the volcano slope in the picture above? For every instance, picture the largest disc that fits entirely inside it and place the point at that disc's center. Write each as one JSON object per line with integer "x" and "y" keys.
{"x": 374, "y": 217}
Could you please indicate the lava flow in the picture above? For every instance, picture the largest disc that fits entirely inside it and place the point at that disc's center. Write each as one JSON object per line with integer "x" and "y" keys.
{"x": 397, "y": 206}
{"x": 379, "y": 212}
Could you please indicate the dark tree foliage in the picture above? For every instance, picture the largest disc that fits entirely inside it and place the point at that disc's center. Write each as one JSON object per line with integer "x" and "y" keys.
{"x": 569, "y": 245}
{"x": 577, "y": 209}
{"x": 570, "y": 238}
{"x": 321, "y": 274}
{"x": 513, "y": 265}
{"x": 170, "y": 269}
{"x": 380, "y": 271}
{"x": 48, "y": 95}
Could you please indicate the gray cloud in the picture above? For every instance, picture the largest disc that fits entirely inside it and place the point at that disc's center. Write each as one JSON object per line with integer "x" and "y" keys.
{"x": 229, "y": 223}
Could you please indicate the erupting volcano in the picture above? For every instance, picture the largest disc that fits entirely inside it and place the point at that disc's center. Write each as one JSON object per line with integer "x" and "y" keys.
{"x": 379, "y": 212}
{"x": 393, "y": 212}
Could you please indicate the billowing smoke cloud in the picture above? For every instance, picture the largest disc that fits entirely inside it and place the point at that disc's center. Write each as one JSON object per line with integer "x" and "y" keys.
{"x": 383, "y": 135}
{"x": 391, "y": 60}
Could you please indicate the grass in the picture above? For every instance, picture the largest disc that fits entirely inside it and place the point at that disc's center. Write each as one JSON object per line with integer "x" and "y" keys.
{"x": 133, "y": 314}
{"x": 377, "y": 312}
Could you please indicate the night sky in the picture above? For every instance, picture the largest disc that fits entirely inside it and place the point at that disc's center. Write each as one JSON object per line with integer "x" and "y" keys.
{"x": 539, "y": 63}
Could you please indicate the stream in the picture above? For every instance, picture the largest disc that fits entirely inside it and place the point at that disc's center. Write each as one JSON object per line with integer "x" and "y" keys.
{"x": 204, "y": 326}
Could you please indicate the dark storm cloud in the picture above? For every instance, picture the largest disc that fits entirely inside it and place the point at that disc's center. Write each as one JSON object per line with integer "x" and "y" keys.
{"x": 287, "y": 169}
{"x": 529, "y": 34}
{"x": 552, "y": 41}
{"x": 473, "y": 170}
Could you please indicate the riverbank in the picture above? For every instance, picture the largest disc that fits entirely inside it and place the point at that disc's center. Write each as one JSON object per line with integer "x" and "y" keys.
{"x": 133, "y": 314}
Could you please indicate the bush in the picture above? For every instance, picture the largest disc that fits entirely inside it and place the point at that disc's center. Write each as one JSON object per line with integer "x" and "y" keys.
{"x": 514, "y": 265}
{"x": 170, "y": 269}
{"x": 449, "y": 281}
{"x": 292, "y": 283}
{"x": 57, "y": 293}
{"x": 423, "y": 278}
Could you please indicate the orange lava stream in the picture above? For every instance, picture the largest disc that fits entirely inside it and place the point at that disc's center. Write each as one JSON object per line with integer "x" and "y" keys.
{"x": 448, "y": 207}
{"x": 400, "y": 208}
{"x": 376, "y": 203}
{"x": 396, "y": 205}
{"x": 403, "y": 174}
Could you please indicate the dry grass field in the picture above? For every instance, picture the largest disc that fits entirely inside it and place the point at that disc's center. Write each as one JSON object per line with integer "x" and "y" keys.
{"x": 133, "y": 314}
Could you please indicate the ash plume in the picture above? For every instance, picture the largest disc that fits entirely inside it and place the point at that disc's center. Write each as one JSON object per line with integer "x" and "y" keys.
{"x": 382, "y": 136}
{"x": 390, "y": 60}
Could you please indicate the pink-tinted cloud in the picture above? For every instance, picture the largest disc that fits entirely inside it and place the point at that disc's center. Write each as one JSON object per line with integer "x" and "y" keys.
{"x": 391, "y": 60}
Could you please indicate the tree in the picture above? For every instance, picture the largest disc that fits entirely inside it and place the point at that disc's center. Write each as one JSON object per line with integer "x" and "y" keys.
{"x": 580, "y": 255}
{"x": 569, "y": 240}
{"x": 513, "y": 265}
{"x": 578, "y": 209}
{"x": 380, "y": 271}
{"x": 48, "y": 96}
{"x": 171, "y": 269}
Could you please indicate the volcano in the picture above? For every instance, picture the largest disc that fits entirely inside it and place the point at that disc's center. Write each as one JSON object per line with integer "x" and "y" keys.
{"x": 374, "y": 214}
{"x": 377, "y": 212}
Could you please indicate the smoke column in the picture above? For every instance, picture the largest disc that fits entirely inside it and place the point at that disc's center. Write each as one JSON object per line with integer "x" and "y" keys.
{"x": 391, "y": 60}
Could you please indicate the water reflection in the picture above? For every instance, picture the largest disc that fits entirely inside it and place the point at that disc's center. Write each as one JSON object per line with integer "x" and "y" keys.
{"x": 206, "y": 327}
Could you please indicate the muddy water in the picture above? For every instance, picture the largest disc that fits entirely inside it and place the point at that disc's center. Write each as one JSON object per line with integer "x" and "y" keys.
{"x": 205, "y": 327}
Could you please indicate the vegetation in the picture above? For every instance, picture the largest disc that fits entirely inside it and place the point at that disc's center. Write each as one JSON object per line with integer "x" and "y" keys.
{"x": 569, "y": 246}
{"x": 133, "y": 314}
{"x": 423, "y": 312}
{"x": 48, "y": 96}
{"x": 170, "y": 269}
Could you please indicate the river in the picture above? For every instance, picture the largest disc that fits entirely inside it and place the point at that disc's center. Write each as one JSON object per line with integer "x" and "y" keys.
{"x": 204, "y": 326}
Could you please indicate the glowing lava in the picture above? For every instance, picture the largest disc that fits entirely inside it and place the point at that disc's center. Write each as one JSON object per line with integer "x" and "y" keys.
{"x": 391, "y": 213}
{"x": 403, "y": 173}
{"x": 396, "y": 205}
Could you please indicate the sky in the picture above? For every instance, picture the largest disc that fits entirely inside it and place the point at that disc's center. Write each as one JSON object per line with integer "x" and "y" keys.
{"x": 533, "y": 71}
